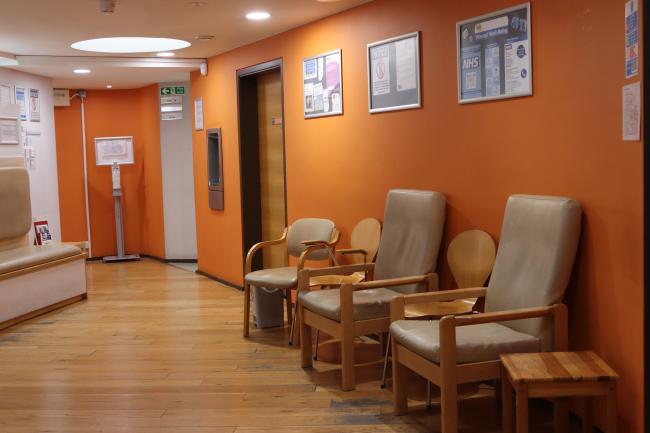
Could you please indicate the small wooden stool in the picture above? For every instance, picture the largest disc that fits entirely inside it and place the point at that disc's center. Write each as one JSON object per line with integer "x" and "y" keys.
{"x": 556, "y": 375}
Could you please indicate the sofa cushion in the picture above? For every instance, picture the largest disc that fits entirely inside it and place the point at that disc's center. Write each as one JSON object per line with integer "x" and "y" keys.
{"x": 474, "y": 343}
{"x": 25, "y": 257}
{"x": 368, "y": 304}
{"x": 16, "y": 211}
{"x": 276, "y": 278}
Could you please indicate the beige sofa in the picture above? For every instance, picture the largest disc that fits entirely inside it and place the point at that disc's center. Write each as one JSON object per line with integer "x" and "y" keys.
{"x": 33, "y": 279}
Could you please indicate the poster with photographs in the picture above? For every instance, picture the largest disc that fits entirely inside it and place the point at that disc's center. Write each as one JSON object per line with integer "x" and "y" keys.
{"x": 34, "y": 106}
{"x": 494, "y": 55}
{"x": 322, "y": 85}
{"x": 43, "y": 235}
{"x": 394, "y": 73}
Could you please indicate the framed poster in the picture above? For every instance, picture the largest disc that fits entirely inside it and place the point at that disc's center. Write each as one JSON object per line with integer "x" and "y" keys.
{"x": 394, "y": 73}
{"x": 42, "y": 232}
{"x": 34, "y": 106}
{"x": 114, "y": 149}
{"x": 21, "y": 101}
{"x": 9, "y": 130}
{"x": 494, "y": 55}
{"x": 322, "y": 85}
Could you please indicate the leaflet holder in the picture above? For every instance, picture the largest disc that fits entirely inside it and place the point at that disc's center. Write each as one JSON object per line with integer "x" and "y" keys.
{"x": 116, "y": 151}
{"x": 215, "y": 169}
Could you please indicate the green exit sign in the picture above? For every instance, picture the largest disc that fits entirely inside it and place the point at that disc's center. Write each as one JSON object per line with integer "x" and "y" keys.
{"x": 172, "y": 90}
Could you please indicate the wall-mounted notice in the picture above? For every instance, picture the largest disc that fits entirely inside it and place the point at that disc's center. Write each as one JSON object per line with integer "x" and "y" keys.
{"x": 21, "y": 101}
{"x": 198, "y": 114}
{"x": 631, "y": 38}
{"x": 5, "y": 94}
{"x": 9, "y": 130}
{"x": 632, "y": 112}
{"x": 394, "y": 73}
{"x": 34, "y": 106}
{"x": 171, "y": 107}
{"x": 322, "y": 85}
{"x": 494, "y": 55}
{"x": 114, "y": 149}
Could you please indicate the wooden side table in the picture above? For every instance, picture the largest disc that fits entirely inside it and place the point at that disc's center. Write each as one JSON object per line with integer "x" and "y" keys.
{"x": 556, "y": 375}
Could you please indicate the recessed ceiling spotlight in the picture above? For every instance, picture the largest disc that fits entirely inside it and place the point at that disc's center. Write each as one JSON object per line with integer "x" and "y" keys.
{"x": 165, "y": 54}
{"x": 204, "y": 37}
{"x": 197, "y": 4}
{"x": 130, "y": 45}
{"x": 108, "y": 86}
{"x": 81, "y": 71}
{"x": 258, "y": 15}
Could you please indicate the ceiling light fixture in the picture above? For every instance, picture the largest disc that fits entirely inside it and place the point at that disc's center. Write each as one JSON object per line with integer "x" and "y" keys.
{"x": 81, "y": 71}
{"x": 165, "y": 54}
{"x": 108, "y": 86}
{"x": 197, "y": 4}
{"x": 130, "y": 45}
{"x": 204, "y": 37}
{"x": 258, "y": 15}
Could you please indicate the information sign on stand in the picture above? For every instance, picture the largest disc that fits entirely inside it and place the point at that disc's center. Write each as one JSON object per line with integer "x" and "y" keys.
{"x": 494, "y": 55}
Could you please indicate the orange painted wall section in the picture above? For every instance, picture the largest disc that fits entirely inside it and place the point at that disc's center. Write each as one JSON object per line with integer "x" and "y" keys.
{"x": 565, "y": 140}
{"x": 111, "y": 114}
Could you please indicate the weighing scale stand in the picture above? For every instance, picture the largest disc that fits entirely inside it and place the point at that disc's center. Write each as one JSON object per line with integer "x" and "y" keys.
{"x": 119, "y": 229}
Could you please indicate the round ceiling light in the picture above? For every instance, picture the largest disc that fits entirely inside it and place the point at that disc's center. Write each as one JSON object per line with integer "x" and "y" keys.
{"x": 165, "y": 54}
{"x": 130, "y": 45}
{"x": 81, "y": 71}
{"x": 258, "y": 15}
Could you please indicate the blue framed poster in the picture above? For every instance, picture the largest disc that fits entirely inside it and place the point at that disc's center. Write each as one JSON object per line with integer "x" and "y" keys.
{"x": 494, "y": 56}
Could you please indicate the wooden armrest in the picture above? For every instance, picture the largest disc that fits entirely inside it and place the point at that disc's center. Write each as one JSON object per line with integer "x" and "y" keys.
{"x": 315, "y": 242}
{"x": 377, "y": 284}
{"x": 397, "y": 305}
{"x": 503, "y": 316}
{"x": 258, "y": 246}
{"x": 305, "y": 274}
{"x": 353, "y": 251}
{"x": 320, "y": 245}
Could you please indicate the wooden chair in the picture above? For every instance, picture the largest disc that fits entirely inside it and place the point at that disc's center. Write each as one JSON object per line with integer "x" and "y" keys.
{"x": 539, "y": 239}
{"x": 409, "y": 244}
{"x": 304, "y": 240}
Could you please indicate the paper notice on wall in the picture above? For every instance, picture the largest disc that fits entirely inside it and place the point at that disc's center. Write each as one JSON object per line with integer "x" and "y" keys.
{"x": 198, "y": 114}
{"x": 320, "y": 68}
{"x": 516, "y": 66}
{"x": 309, "y": 97}
{"x": 631, "y": 39}
{"x": 310, "y": 69}
{"x": 21, "y": 101}
{"x": 632, "y": 112}
{"x": 380, "y": 70}
{"x": 406, "y": 64}
{"x": 34, "y": 105}
{"x": 318, "y": 97}
{"x": 9, "y": 131}
{"x": 5, "y": 94}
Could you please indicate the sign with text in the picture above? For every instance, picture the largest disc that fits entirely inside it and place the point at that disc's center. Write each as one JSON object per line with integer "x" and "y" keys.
{"x": 172, "y": 90}
{"x": 322, "y": 85}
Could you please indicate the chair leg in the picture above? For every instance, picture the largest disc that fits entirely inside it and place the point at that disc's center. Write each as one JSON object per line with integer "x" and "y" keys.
{"x": 521, "y": 401}
{"x": 507, "y": 407}
{"x": 400, "y": 383}
{"x": 612, "y": 420}
{"x": 587, "y": 416}
{"x": 385, "y": 370}
{"x": 347, "y": 357}
{"x": 305, "y": 338}
{"x": 247, "y": 309}
{"x": 316, "y": 348}
{"x": 294, "y": 323}
{"x": 449, "y": 406}
{"x": 429, "y": 405}
{"x": 287, "y": 297}
{"x": 561, "y": 415}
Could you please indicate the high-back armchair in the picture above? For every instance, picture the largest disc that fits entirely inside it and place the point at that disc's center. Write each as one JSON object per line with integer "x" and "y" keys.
{"x": 536, "y": 252}
{"x": 409, "y": 245}
{"x": 303, "y": 240}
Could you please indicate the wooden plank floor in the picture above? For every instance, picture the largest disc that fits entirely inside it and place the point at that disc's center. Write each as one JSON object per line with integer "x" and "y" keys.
{"x": 159, "y": 349}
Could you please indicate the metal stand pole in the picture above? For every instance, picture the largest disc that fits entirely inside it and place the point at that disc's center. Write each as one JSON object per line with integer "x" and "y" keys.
{"x": 119, "y": 226}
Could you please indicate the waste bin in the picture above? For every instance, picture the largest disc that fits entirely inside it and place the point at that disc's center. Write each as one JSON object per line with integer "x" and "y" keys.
{"x": 268, "y": 310}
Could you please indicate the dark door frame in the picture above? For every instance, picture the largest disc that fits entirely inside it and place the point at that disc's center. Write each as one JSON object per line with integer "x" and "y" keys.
{"x": 245, "y": 91}
{"x": 646, "y": 212}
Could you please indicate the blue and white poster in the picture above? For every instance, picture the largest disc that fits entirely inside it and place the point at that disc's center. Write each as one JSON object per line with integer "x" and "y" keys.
{"x": 631, "y": 38}
{"x": 21, "y": 100}
{"x": 494, "y": 58}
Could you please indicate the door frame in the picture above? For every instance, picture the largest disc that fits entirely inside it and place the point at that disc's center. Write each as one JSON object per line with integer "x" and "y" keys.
{"x": 247, "y": 73}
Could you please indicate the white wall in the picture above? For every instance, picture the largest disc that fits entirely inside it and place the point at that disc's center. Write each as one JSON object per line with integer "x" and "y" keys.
{"x": 43, "y": 178}
{"x": 178, "y": 182}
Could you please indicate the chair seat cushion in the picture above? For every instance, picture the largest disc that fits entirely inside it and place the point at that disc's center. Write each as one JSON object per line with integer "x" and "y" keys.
{"x": 24, "y": 257}
{"x": 368, "y": 304}
{"x": 474, "y": 343}
{"x": 276, "y": 278}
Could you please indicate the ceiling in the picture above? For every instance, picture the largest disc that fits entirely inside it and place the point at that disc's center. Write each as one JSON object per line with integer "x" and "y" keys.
{"x": 39, "y": 33}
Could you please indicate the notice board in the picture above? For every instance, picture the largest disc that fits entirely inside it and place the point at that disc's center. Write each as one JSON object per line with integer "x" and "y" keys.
{"x": 494, "y": 56}
{"x": 322, "y": 85}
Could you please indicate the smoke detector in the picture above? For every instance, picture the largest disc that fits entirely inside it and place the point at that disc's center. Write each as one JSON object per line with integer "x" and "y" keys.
{"x": 107, "y": 7}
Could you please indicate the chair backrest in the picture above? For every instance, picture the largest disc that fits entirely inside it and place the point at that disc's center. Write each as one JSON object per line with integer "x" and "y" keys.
{"x": 15, "y": 208}
{"x": 365, "y": 236}
{"x": 471, "y": 257}
{"x": 538, "y": 244}
{"x": 410, "y": 239}
{"x": 309, "y": 229}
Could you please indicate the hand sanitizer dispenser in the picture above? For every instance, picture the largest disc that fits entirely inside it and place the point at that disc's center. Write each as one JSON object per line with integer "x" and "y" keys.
{"x": 215, "y": 169}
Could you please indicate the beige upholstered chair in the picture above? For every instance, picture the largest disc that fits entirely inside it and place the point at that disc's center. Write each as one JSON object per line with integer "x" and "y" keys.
{"x": 303, "y": 241}
{"x": 409, "y": 244}
{"x": 538, "y": 244}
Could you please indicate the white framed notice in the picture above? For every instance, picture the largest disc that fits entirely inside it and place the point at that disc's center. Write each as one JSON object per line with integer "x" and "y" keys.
{"x": 394, "y": 73}
{"x": 198, "y": 113}
{"x": 322, "y": 85}
{"x": 114, "y": 149}
{"x": 34, "y": 105}
{"x": 5, "y": 94}
{"x": 9, "y": 130}
{"x": 493, "y": 55}
{"x": 21, "y": 101}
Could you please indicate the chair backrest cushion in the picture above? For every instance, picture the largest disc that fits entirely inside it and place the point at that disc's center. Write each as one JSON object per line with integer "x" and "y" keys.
{"x": 365, "y": 236}
{"x": 538, "y": 244}
{"x": 309, "y": 229}
{"x": 15, "y": 208}
{"x": 411, "y": 235}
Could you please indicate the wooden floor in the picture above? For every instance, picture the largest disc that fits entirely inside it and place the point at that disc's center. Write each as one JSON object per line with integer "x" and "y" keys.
{"x": 159, "y": 349}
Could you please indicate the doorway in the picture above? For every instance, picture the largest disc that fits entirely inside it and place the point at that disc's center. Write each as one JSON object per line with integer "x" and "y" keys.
{"x": 262, "y": 161}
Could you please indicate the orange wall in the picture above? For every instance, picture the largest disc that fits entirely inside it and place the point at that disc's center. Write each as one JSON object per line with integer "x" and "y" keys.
{"x": 565, "y": 140}
{"x": 109, "y": 114}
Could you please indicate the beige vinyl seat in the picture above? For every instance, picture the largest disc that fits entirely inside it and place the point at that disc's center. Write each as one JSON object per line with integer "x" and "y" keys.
{"x": 307, "y": 238}
{"x": 409, "y": 245}
{"x": 533, "y": 265}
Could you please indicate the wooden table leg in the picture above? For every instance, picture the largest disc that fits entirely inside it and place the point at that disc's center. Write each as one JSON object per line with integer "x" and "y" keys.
{"x": 587, "y": 415}
{"x": 506, "y": 405}
{"x": 561, "y": 415}
{"x": 521, "y": 398}
{"x": 612, "y": 420}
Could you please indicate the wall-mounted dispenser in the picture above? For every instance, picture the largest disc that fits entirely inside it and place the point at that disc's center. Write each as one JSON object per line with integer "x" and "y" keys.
{"x": 215, "y": 169}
